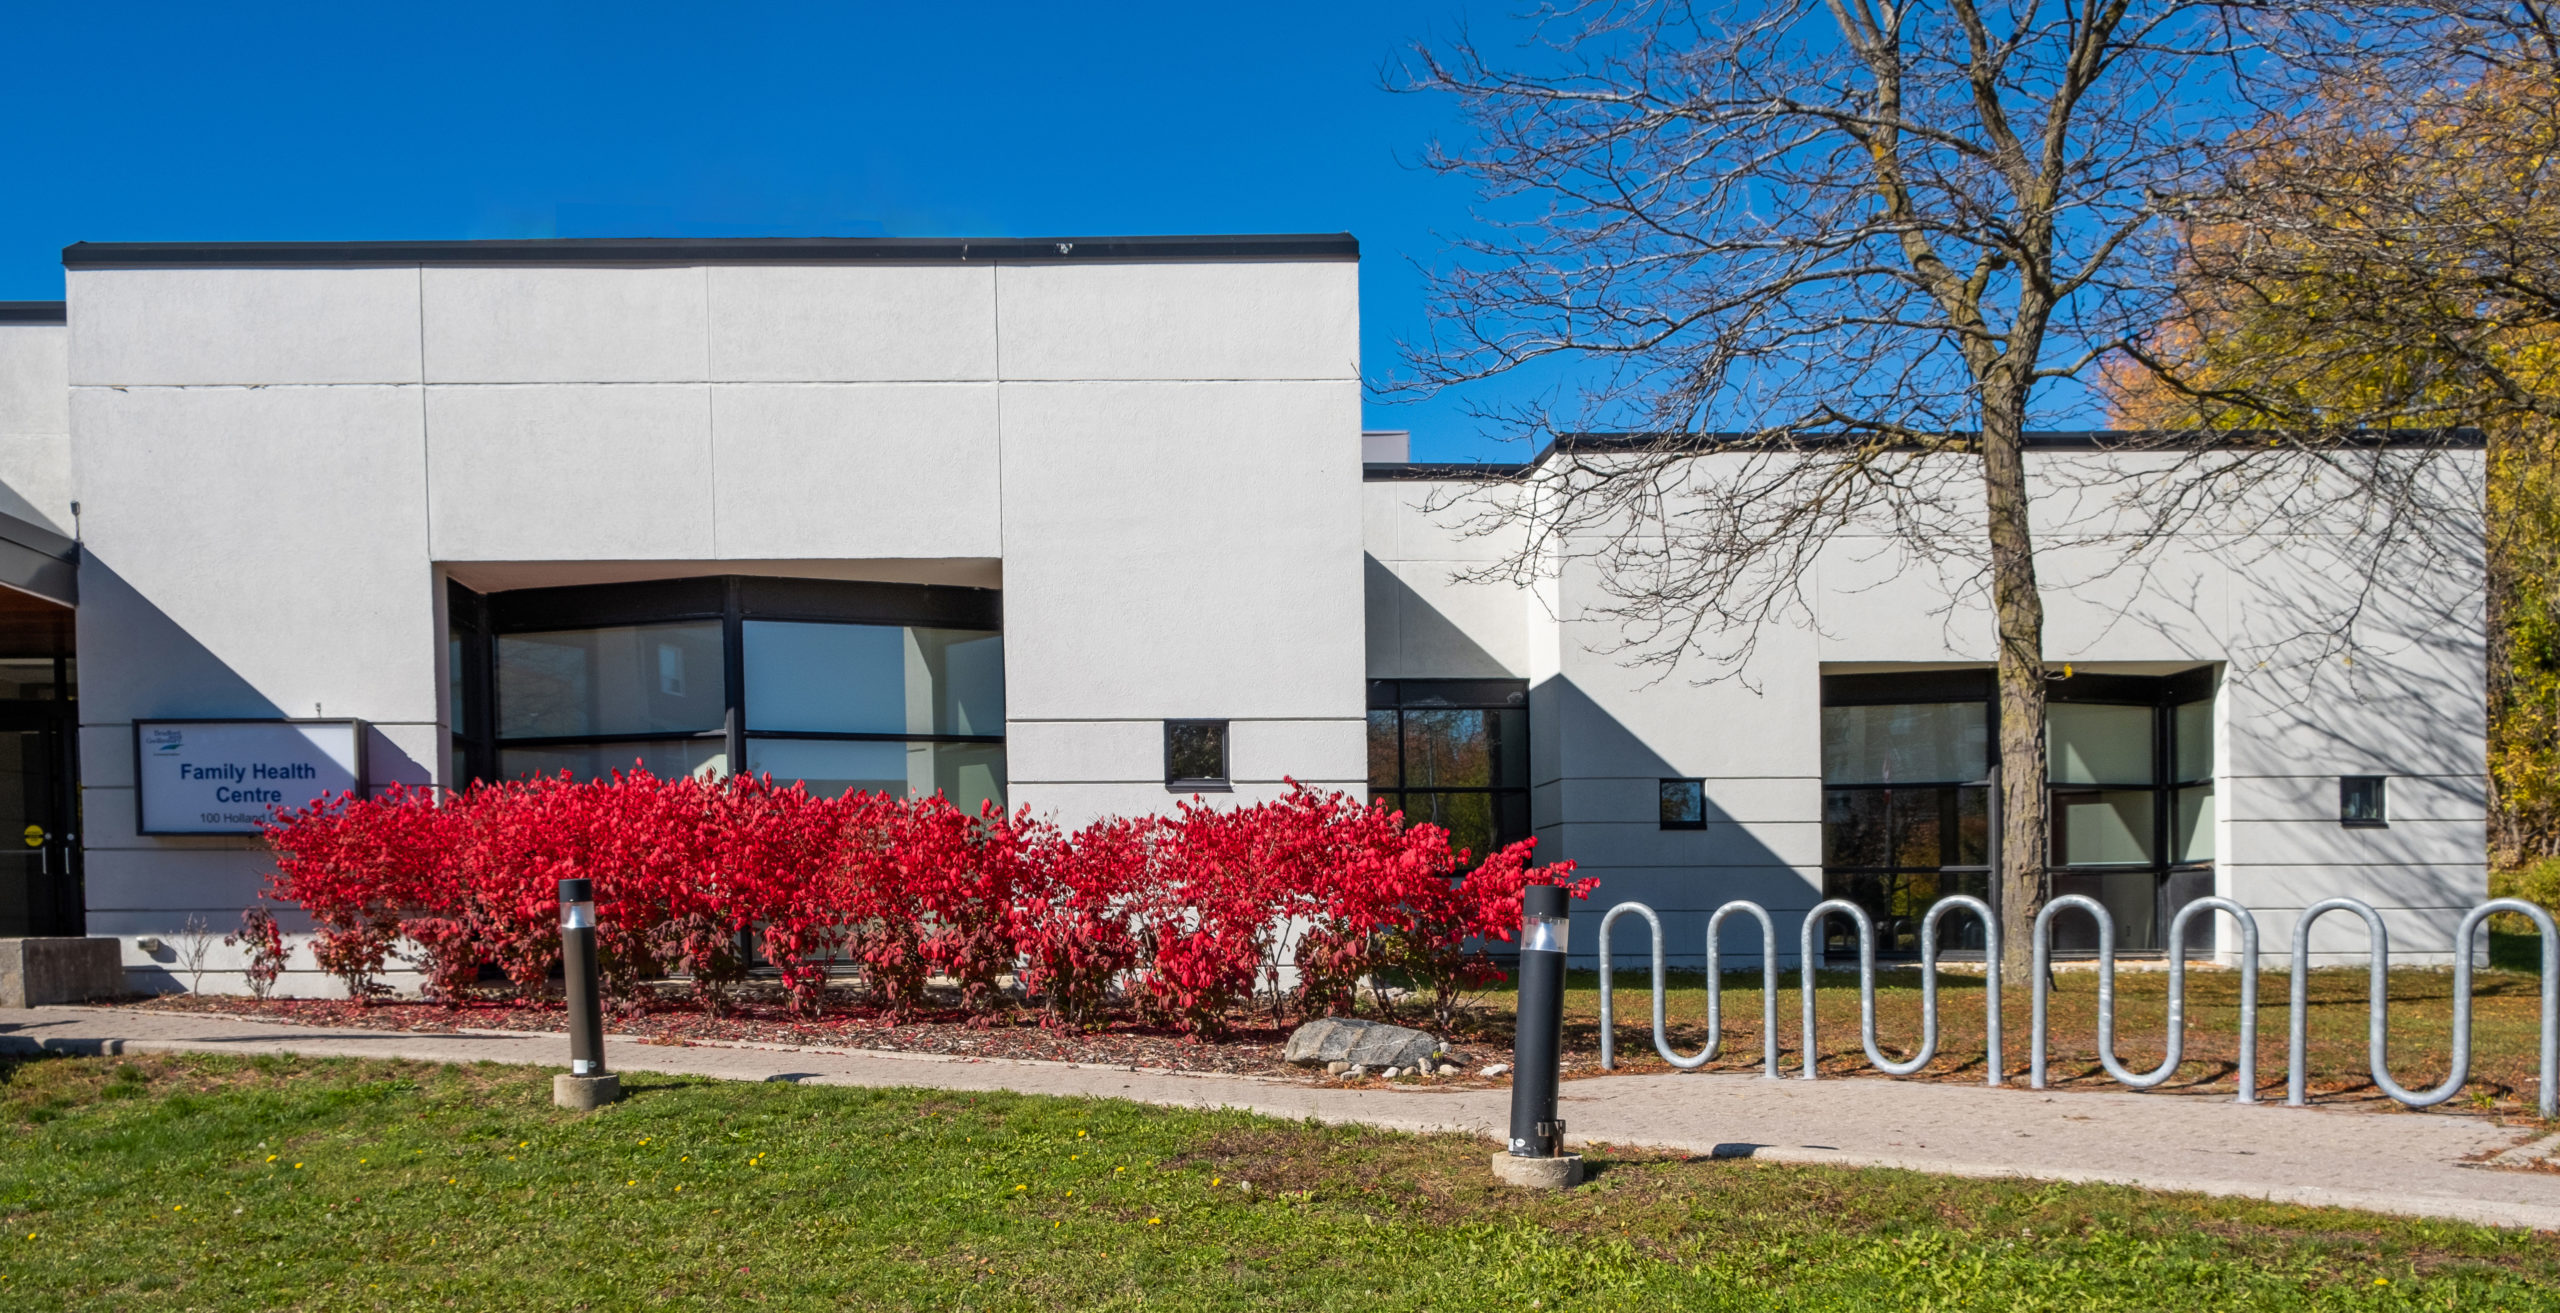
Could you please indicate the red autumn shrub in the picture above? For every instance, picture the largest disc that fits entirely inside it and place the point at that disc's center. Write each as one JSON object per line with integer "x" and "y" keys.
{"x": 961, "y": 870}
{"x": 358, "y": 867}
{"x": 265, "y": 942}
{"x": 1074, "y": 912}
{"x": 1193, "y": 914}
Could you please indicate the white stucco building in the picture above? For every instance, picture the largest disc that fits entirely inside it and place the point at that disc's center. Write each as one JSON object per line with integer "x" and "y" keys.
{"x": 1083, "y": 524}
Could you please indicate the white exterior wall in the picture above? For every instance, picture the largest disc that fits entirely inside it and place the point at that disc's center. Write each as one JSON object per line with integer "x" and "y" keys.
{"x": 1157, "y": 463}
{"x": 2412, "y": 707}
{"x": 35, "y": 424}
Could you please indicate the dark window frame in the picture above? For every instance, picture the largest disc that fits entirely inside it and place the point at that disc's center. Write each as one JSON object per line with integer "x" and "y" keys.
{"x": 476, "y": 621}
{"x": 1222, "y": 782}
{"x": 2163, "y": 694}
{"x": 1699, "y": 787}
{"x": 1399, "y": 697}
{"x": 2380, "y": 786}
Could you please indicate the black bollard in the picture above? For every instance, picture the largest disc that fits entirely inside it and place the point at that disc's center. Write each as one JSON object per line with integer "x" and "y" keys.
{"x": 588, "y": 1085}
{"x": 1537, "y": 1043}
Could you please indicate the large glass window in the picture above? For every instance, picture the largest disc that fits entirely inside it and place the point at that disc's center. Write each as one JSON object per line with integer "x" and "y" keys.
{"x": 842, "y": 687}
{"x": 873, "y": 679}
{"x": 1906, "y": 762}
{"x": 620, "y": 679}
{"x": 2130, "y": 762}
{"x": 1906, "y": 809}
{"x": 1454, "y": 753}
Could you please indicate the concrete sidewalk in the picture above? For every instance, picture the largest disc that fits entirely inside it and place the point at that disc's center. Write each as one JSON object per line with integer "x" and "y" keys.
{"x": 2386, "y": 1162}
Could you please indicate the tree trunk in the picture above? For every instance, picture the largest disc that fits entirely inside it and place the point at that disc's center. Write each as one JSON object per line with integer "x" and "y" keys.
{"x": 2019, "y": 881}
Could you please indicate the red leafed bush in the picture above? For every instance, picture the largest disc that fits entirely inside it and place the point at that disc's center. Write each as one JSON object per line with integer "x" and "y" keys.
{"x": 1074, "y": 916}
{"x": 1189, "y": 916}
{"x": 264, "y": 939}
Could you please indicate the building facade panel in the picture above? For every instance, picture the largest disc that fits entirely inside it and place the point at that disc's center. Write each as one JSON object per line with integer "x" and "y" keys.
{"x": 853, "y": 324}
{"x": 253, "y": 551}
{"x": 1241, "y": 320}
{"x": 35, "y": 424}
{"x": 855, "y": 471}
{"x": 162, "y": 327}
{"x": 549, "y": 324}
{"x": 1160, "y": 562}
{"x": 571, "y": 471}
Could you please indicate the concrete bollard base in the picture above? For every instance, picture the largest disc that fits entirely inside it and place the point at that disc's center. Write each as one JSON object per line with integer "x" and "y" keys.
{"x": 1562, "y": 1172}
{"x": 585, "y": 1093}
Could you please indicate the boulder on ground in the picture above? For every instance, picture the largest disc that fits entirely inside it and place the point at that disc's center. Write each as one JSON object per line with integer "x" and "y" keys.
{"x": 1366, "y": 1043}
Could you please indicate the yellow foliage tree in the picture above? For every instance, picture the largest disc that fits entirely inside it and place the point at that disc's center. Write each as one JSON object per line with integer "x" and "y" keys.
{"x": 2390, "y": 262}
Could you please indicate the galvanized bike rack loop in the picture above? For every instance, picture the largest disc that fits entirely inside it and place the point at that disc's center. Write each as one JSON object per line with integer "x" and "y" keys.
{"x": 2378, "y": 1003}
{"x": 1928, "y": 983}
{"x": 1768, "y": 982}
{"x": 2175, "y": 1043}
{"x": 1715, "y": 989}
{"x": 2297, "y": 1076}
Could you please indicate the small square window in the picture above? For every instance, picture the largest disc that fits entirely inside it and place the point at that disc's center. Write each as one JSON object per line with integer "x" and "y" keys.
{"x": 1195, "y": 754}
{"x": 2361, "y": 801}
{"x": 1684, "y": 804}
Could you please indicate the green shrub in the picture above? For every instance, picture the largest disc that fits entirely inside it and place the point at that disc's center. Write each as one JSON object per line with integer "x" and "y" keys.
{"x": 2537, "y": 883}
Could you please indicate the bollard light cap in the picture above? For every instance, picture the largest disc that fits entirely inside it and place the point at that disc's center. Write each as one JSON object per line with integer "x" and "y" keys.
{"x": 1542, "y": 900}
{"x": 577, "y": 891}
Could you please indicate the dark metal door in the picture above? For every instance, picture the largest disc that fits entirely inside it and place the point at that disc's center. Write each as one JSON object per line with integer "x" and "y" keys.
{"x": 40, "y": 873}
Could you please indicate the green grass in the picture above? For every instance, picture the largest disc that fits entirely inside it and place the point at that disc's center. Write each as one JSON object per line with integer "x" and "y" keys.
{"x": 221, "y": 1183}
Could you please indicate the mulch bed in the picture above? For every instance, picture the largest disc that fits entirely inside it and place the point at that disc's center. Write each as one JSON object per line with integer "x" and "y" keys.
{"x": 1252, "y": 1048}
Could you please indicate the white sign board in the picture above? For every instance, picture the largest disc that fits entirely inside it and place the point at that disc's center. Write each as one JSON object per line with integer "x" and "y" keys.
{"x": 229, "y": 776}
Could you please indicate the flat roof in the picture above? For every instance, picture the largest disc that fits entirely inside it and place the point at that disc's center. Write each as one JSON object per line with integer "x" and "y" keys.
{"x": 2037, "y": 440}
{"x": 31, "y": 312}
{"x": 722, "y": 250}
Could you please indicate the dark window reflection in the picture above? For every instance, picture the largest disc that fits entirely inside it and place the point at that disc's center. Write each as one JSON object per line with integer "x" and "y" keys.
{"x": 1195, "y": 751}
{"x": 1453, "y": 754}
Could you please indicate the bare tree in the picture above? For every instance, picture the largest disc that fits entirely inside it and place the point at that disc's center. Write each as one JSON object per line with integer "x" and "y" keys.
{"x": 1853, "y": 251}
{"x": 194, "y": 949}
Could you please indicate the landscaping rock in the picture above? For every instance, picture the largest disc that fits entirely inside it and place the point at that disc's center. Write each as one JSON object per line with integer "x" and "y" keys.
{"x": 1495, "y": 1070}
{"x": 1368, "y": 1043}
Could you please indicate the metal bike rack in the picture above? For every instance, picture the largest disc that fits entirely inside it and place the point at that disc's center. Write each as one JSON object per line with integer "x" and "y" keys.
{"x": 2175, "y": 1044}
{"x": 1928, "y": 983}
{"x": 1768, "y": 981}
{"x": 1715, "y": 989}
{"x": 2378, "y": 1004}
{"x": 2378, "y": 956}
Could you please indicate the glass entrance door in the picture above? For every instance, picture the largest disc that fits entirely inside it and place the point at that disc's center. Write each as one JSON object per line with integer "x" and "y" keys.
{"x": 40, "y": 887}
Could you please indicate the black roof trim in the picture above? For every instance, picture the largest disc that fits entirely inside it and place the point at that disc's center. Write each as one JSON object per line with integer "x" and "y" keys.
{"x": 32, "y": 312}
{"x": 720, "y": 250}
{"x": 1442, "y": 471}
{"x": 2040, "y": 440}
{"x": 2459, "y": 439}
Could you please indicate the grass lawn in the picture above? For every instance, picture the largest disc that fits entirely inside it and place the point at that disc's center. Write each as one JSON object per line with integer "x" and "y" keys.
{"x": 203, "y": 1182}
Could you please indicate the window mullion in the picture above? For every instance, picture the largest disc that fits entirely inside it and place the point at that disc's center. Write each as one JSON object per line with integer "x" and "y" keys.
{"x": 733, "y": 662}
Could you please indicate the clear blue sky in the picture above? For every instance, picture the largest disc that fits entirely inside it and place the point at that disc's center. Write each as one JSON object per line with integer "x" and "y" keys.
{"x": 350, "y": 121}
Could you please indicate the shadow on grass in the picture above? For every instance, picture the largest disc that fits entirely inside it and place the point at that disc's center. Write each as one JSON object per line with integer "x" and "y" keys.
{"x": 2515, "y": 952}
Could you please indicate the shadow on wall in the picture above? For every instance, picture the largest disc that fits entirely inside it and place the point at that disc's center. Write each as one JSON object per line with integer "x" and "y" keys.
{"x": 1409, "y": 638}
{"x": 1615, "y": 832}
{"x": 141, "y": 663}
{"x": 1617, "y": 835}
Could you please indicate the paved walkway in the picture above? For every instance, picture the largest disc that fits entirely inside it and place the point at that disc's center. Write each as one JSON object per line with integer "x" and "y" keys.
{"x": 2388, "y": 1162}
